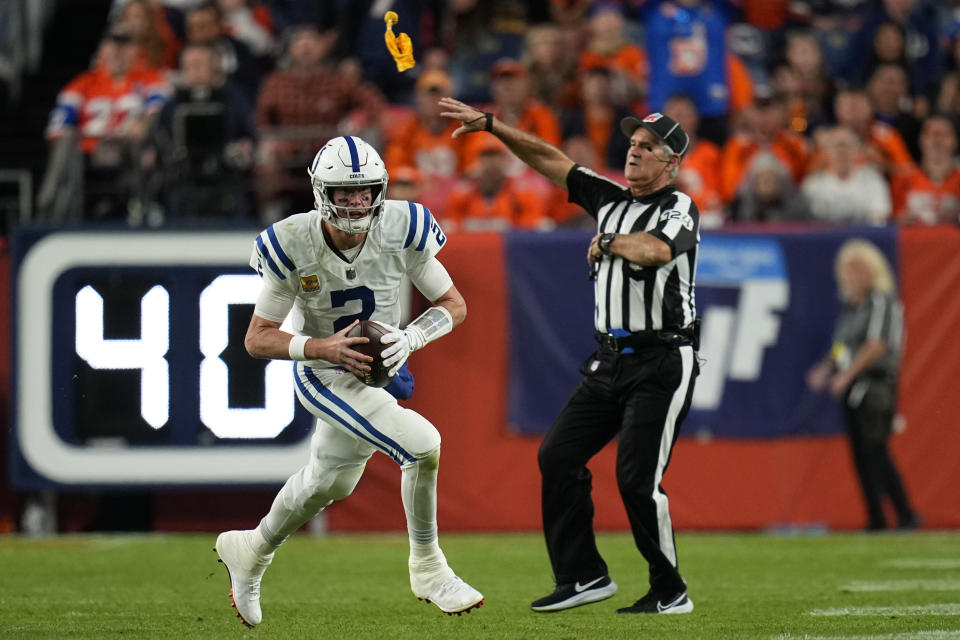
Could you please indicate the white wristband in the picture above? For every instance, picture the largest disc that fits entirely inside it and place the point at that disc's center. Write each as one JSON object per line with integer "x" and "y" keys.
{"x": 297, "y": 346}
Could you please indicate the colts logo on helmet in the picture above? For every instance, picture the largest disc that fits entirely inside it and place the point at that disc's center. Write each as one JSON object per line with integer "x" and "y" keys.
{"x": 356, "y": 175}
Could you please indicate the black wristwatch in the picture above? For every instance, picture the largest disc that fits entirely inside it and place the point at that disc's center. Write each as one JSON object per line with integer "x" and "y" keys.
{"x": 605, "y": 241}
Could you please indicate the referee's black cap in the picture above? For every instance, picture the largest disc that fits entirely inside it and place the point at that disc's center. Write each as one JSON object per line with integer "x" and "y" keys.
{"x": 664, "y": 127}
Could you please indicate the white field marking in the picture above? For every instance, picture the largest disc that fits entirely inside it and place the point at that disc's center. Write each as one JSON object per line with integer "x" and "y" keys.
{"x": 903, "y": 585}
{"x": 923, "y": 563}
{"x": 945, "y": 609}
{"x": 936, "y": 634}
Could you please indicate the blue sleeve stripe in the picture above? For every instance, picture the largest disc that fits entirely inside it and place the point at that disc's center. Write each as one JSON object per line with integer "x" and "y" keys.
{"x": 275, "y": 243}
{"x": 155, "y": 99}
{"x": 270, "y": 263}
{"x": 413, "y": 224}
{"x": 69, "y": 114}
{"x": 427, "y": 221}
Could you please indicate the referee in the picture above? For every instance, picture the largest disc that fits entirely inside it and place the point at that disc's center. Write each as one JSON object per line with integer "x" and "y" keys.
{"x": 639, "y": 382}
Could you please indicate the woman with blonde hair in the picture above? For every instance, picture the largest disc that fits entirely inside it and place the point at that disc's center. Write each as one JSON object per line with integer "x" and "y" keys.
{"x": 862, "y": 369}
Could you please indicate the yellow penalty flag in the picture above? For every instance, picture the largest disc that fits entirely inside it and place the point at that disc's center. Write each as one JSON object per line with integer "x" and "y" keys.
{"x": 400, "y": 47}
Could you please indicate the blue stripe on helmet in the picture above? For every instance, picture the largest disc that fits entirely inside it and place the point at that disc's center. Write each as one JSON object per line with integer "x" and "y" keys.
{"x": 386, "y": 444}
{"x": 275, "y": 243}
{"x": 316, "y": 160}
{"x": 354, "y": 156}
{"x": 427, "y": 221}
{"x": 413, "y": 224}
{"x": 266, "y": 254}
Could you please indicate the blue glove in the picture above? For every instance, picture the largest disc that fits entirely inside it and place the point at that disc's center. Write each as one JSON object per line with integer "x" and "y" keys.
{"x": 401, "y": 384}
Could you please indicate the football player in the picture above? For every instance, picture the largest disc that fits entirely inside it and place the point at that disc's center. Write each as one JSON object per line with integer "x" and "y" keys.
{"x": 327, "y": 269}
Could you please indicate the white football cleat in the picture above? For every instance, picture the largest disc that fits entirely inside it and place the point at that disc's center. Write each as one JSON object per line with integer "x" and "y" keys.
{"x": 245, "y": 569}
{"x": 437, "y": 583}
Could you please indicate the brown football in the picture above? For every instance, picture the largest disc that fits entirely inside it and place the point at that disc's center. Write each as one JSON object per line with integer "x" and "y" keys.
{"x": 377, "y": 376}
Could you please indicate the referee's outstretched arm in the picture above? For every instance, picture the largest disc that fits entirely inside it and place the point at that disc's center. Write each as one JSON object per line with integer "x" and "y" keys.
{"x": 535, "y": 152}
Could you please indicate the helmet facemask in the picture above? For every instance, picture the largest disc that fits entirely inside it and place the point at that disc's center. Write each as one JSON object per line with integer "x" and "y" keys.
{"x": 348, "y": 162}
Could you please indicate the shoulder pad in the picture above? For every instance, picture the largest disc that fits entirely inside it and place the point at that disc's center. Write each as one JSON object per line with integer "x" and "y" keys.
{"x": 409, "y": 226}
{"x": 282, "y": 244}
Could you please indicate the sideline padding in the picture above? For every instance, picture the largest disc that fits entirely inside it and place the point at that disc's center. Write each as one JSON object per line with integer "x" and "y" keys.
{"x": 489, "y": 478}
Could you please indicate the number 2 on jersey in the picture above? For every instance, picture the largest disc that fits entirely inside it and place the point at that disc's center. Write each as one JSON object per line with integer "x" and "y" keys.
{"x": 341, "y": 298}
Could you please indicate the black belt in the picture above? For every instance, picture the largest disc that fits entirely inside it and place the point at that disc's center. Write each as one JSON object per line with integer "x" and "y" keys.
{"x": 644, "y": 339}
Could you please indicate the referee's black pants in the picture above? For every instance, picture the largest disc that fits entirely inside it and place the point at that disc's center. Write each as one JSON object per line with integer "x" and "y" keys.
{"x": 868, "y": 428}
{"x": 642, "y": 397}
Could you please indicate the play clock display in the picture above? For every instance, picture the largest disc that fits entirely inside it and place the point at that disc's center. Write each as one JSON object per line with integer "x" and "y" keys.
{"x": 130, "y": 369}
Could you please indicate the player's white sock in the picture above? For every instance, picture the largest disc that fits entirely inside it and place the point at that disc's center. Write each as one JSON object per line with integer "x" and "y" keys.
{"x": 258, "y": 542}
{"x": 418, "y": 488}
{"x": 306, "y": 493}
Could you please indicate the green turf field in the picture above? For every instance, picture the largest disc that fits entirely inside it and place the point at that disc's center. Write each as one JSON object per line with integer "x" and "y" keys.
{"x": 890, "y": 586}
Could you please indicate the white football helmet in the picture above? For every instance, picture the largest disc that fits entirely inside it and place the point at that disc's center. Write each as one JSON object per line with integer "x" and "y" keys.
{"x": 348, "y": 161}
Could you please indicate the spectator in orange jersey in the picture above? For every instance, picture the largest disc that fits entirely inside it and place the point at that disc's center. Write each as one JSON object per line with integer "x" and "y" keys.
{"x": 513, "y": 104}
{"x": 930, "y": 193}
{"x": 882, "y": 144}
{"x": 609, "y": 47}
{"x": 763, "y": 128}
{"x": 112, "y": 100}
{"x": 424, "y": 140}
{"x": 109, "y": 109}
{"x": 491, "y": 200}
{"x": 699, "y": 175}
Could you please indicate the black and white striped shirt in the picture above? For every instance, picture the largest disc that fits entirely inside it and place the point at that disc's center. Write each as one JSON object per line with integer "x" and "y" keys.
{"x": 630, "y": 297}
{"x": 878, "y": 317}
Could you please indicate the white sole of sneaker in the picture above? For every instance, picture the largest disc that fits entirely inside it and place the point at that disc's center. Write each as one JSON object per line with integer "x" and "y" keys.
{"x": 459, "y": 612}
{"x": 686, "y": 607}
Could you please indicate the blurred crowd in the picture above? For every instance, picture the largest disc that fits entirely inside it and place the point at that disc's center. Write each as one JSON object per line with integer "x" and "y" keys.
{"x": 828, "y": 111}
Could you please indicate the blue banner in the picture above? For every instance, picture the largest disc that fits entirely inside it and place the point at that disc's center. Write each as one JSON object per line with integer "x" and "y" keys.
{"x": 768, "y": 304}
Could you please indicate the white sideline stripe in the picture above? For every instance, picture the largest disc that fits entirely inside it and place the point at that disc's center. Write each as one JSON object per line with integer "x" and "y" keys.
{"x": 936, "y": 634}
{"x": 904, "y": 585}
{"x": 946, "y": 609}
{"x": 923, "y": 563}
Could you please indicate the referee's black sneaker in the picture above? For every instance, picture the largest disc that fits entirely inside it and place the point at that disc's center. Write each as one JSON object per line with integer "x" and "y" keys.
{"x": 574, "y": 594}
{"x": 658, "y": 603}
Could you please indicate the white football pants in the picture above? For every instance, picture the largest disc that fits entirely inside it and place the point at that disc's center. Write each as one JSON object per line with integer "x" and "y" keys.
{"x": 353, "y": 422}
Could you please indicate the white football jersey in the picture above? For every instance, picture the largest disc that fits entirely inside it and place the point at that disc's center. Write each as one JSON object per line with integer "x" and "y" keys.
{"x": 328, "y": 292}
